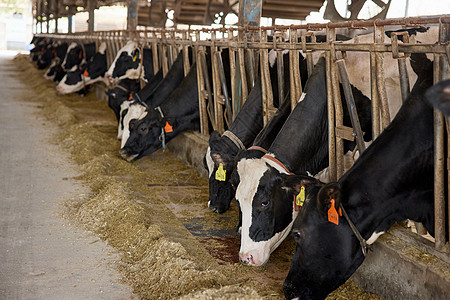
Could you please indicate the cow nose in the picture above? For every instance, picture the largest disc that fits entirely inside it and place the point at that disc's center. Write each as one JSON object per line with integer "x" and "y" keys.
{"x": 246, "y": 258}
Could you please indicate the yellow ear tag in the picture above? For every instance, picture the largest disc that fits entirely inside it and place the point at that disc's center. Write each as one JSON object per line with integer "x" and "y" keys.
{"x": 135, "y": 57}
{"x": 333, "y": 215}
{"x": 221, "y": 173}
{"x": 300, "y": 199}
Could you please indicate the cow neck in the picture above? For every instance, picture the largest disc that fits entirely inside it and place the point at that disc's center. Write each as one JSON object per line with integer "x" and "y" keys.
{"x": 249, "y": 122}
{"x": 405, "y": 167}
{"x": 267, "y": 135}
{"x": 302, "y": 143}
{"x": 236, "y": 141}
{"x": 258, "y": 148}
{"x": 271, "y": 158}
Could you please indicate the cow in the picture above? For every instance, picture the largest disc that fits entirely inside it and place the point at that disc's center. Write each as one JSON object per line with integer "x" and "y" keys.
{"x": 131, "y": 63}
{"x": 121, "y": 92}
{"x": 46, "y": 56}
{"x": 158, "y": 125}
{"x": 152, "y": 95}
{"x": 391, "y": 181}
{"x": 222, "y": 150}
{"x": 90, "y": 72}
{"x": 39, "y": 45}
{"x": 54, "y": 71}
{"x": 76, "y": 55}
{"x": 301, "y": 147}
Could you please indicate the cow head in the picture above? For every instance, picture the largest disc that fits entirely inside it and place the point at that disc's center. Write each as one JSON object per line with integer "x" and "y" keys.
{"x": 87, "y": 73}
{"x": 266, "y": 200}
{"x": 220, "y": 166}
{"x": 73, "y": 58}
{"x": 129, "y": 110}
{"x": 126, "y": 64}
{"x": 326, "y": 254}
{"x": 122, "y": 92}
{"x": 145, "y": 135}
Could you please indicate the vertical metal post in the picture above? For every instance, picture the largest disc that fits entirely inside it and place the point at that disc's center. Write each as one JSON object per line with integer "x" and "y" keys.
{"x": 266, "y": 87}
{"x": 155, "y": 53}
{"x": 201, "y": 91}
{"x": 331, "y": 118}
{"x": 234, "y": 94}
{"x": 186, "y": 62}
{"x": 241, "y": 54}
{"x": 218, "y": 109}
{"x": 69, "y": 24}
{"x": 381, "y": 85}
{"x": 132, "y": 14}
{"x": 91, "y": 8}
{"x": 294, "y": 70}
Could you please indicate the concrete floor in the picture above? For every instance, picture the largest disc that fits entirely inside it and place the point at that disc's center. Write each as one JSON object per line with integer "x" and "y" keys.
{"x": 42, "y": 256}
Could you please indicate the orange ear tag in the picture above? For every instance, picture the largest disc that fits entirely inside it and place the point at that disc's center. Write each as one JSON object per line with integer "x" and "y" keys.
{"x": 85, "y": 74}
{"x": 333, "y": 215}
{"x": 131, "y": 96}
{"x": 168, "y": 128}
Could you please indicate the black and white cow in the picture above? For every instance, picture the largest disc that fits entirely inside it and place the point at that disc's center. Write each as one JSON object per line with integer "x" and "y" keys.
{"x": 90, "y": 72}
{"x": 301, "y": 146}
{"x": 46, "y": 57}
{"x": 76, "y": 55}
{"x": 127, "y": 64}
{"x": 222, "y": 150}
{"x": 55, "y": 71}
{"x": 39, "y": 44}
{"x": 178, "y": 113}
{"x": 121, "y": 92}
{"x": 152, "y": 95}
{"x": 391, "y": 181}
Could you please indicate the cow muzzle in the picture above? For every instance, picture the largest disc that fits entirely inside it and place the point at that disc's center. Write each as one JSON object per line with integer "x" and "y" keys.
{"x": 251, "y": 259}
{"x": 128, "y": 157}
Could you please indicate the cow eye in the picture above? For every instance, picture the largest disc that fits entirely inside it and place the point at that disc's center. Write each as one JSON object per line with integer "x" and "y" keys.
{"x": 143, "y": 129}
{"x": 265, "y": 203}
{"x": 296, "y": 234}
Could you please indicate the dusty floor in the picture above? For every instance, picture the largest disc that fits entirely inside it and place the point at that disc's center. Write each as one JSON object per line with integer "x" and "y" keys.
{"x": 152, "y": 212}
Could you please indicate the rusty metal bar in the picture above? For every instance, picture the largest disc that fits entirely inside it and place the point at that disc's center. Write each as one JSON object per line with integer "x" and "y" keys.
{"x": 244, "y": 86}
{"x": 331, "y": 121}
{"x": 266, "y": 86}
{"x": 375, "y": 103}
{"x": 186, "y": 62}
{"x": 204, "y": 128}
{"x": 223, "y": 83}
{"x": 294, "y": 71}
{"x": 234, "y": 97}
{"x": 381, "y": 85}
{"x": 218, "y": 99}
{"x": 351, "y": 105}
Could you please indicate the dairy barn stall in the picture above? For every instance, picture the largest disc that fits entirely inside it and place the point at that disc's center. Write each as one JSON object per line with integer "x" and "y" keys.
{"x": 227, "y": 150}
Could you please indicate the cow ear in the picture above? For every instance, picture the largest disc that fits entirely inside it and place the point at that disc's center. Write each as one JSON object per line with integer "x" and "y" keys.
{"x": 327, "y": 195}
{"x": 294, "y": 183}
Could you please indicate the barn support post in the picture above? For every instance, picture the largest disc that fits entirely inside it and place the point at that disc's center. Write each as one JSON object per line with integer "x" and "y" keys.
{"x": 250, "y": 12}
{"x": 266, "y": 86}
{"x": 91, "y": 9}
{"x": 294, "y": 70}
{"x": 132, "y": 14}
{"x": 69, "y": 24}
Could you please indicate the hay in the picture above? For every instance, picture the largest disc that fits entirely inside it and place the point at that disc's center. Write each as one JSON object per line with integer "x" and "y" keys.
{"x": 141, "y": 214}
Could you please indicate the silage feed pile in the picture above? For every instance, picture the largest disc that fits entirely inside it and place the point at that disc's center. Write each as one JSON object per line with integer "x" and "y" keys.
{"x": 141, "y": 209}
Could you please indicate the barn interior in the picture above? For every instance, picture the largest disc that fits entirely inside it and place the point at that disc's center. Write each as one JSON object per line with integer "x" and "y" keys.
{"x": 198, "y": 230}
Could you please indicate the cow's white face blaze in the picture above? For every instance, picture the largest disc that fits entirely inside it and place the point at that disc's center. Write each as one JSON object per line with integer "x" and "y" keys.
{"x": 135, "y": 111}
{"x": 130, "y": 73}
{"x": 256, "y": 253}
